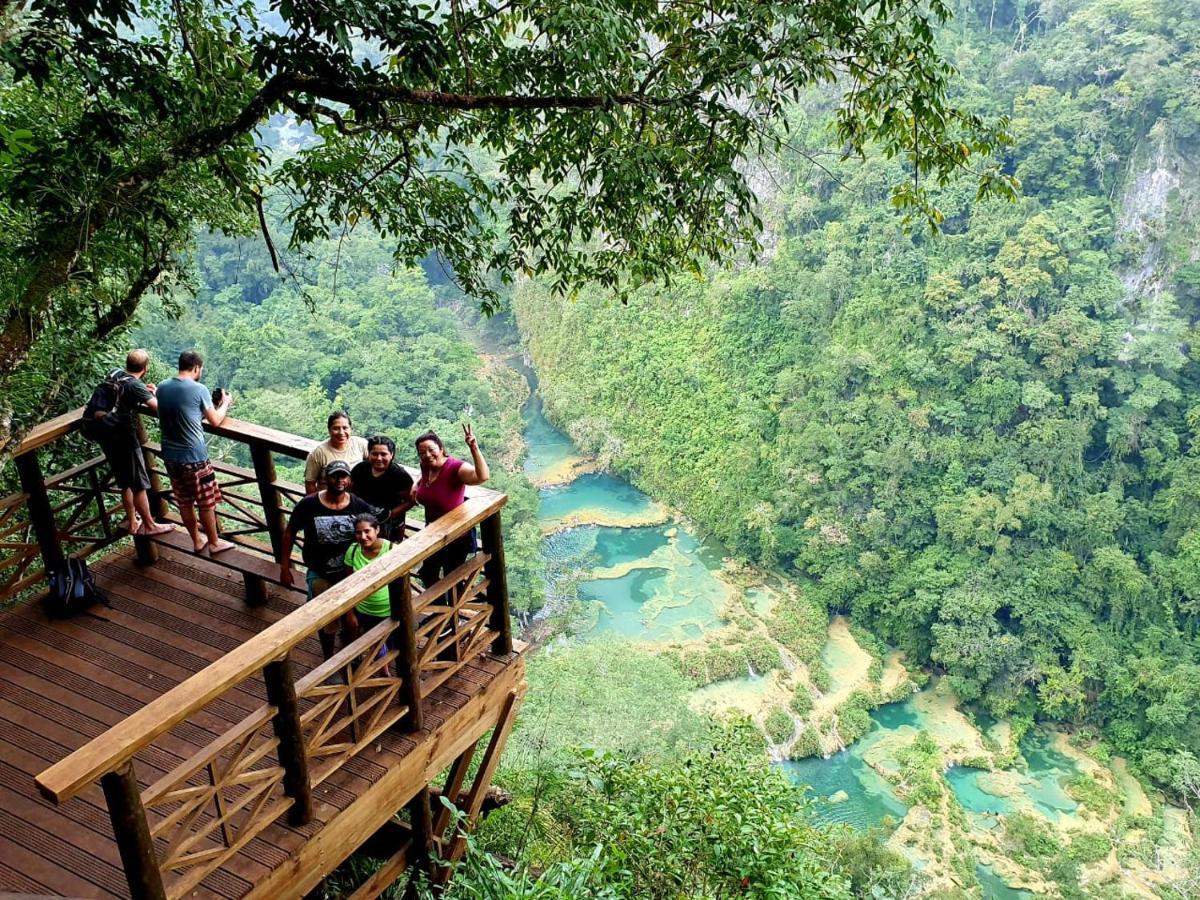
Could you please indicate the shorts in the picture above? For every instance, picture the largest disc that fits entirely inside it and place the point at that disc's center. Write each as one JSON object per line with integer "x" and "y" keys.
{"x": 316, "y": 583}
{"x": 194, "y": 484}
{"x": 127, "y": 462}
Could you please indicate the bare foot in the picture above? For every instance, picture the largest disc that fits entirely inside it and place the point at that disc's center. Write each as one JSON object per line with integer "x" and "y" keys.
{"x": 199, "y": 544}
{"x": 134, "y": 525}
{"x": 156, "y": 528}
{"x": 220, "y": 547}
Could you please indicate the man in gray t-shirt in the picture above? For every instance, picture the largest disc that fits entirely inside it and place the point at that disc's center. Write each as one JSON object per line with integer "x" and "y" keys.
{"x": 184, "y": 404}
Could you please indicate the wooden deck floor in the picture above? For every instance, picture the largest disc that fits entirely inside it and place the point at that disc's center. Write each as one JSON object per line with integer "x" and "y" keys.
{"x": 65, "y": 682}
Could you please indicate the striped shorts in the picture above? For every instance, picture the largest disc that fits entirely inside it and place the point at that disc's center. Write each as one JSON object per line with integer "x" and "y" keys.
{"x": 194, "y": 484}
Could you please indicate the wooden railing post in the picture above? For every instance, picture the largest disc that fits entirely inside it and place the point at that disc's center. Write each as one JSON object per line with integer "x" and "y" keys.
{"x": 420, "y": 813}
{"x": 147, "y": 550}
{"x": 158, "y": 496}
{"x": 264, "y": 471}
{"x": 133, "y": 834}
{"x": 281, "y": 693}
{"x": 404, "y": 639}
{"x": 497, "y": 592}
{"x": 41, "y": 516}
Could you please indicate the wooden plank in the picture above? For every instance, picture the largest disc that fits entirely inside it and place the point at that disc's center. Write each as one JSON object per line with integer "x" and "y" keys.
{"x": 253, "y": 855}
{"x": 183, "y": 750}
{"x": 216, "y": 718}
{"x": 153, "y": 762}
{"x": 18, "y": 884}
{"x": 88, "y": 827}
{"x": 74, "y": 472}
{"x": 48, "y": 431}
{"x": 72, "y": 709}
{"x": 32, "y": 864}
{"x": 86, "y": 765}
{"x": 16, "y": 774}
{"x": 221, "y": 620}
{"x": 189, "y": 601}
{"x": 160, "y": 670}
{"x": 236, "y": 559}
{"x": 218, "y": 613}
{"x": 85, "y": 873}
{"x": 138, "y": 684}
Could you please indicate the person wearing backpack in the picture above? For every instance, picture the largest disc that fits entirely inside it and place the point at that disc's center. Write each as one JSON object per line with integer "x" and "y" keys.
{"x": 110, "y": 419}
{"x": 184, "y": 405}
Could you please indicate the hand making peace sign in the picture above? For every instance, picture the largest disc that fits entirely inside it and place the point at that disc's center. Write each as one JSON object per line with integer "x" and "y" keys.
{"x": 476, "y": 471}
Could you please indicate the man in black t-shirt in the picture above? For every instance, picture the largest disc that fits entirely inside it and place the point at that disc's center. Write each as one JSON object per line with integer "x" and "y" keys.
{"x": 326, "y": 520}
{"x": 122, "y": 448}
{"x": 385, "y": 485}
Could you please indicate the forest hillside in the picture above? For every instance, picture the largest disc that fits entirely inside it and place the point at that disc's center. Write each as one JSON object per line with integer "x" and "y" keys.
{"x": 929, "y": 498}
{"x": 982, "y": 445}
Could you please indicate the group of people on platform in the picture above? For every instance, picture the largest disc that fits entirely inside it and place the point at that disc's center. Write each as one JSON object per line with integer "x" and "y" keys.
{"x": 355, "y": 505}
{"x": 356, "y": 500}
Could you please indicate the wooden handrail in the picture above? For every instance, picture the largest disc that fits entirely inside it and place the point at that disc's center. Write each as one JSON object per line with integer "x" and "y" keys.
{"x": 51, "y": 430}
{"x": 111, "y": 750}
{"x": 238, "y": 429}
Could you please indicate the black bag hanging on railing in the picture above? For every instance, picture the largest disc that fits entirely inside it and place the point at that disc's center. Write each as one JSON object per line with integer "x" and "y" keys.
{"x": 72, "y": 590}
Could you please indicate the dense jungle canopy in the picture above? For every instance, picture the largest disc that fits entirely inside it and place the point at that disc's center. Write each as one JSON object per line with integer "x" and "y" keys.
{"x": 983, "y": 445}
{"x": 711, "y": 222}
{"x": 584, "y": 141}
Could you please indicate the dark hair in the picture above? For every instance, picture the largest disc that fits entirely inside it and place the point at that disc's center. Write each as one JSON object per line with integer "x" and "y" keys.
{"x": 369, "y": 518}
{"x": 383, "y": 439}
{"x": 190, "y": 359}
{"x": 429, "y": 436}
{"x": 338, "y": 414}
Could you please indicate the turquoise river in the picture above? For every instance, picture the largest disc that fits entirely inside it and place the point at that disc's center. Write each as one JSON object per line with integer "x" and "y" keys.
{"x": 658, "y": 582}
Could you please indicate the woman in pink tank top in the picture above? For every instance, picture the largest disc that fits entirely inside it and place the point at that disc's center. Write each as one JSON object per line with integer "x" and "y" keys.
{"x": 442, "y": 488}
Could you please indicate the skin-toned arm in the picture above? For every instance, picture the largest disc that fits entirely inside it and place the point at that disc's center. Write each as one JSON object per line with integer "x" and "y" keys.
{"x": 475, "y": 472}
{"x": 311, "y": 470}
{"x": 285, "y": 564}
{"x": 408, "y": 501}
{"x": 216, "y": 416}
{"x": 152, "y": 403}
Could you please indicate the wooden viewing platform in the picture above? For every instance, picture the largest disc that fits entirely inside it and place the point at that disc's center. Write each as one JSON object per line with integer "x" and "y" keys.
{"x": 189, "y": 740}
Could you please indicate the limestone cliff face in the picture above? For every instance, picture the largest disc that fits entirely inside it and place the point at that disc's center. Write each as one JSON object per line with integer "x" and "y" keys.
{"x": 1156, "y": 232}
{"x": 1157, "y": 214}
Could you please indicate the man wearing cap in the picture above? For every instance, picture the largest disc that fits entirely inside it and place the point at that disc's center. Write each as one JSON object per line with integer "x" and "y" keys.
{"x": 326, "y": 521}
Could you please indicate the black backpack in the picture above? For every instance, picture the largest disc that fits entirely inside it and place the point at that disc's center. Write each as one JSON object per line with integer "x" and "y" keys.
{"x": 106, "y": 397}
{"x": 73, "y": 590}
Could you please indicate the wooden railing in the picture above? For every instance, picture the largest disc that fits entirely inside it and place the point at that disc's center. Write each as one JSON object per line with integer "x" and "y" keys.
{"x": 77, "y": 512}
{"x": 193, "y": 818}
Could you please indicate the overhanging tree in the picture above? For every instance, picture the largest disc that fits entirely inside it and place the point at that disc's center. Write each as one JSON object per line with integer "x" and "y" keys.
{"x": 583, "y": 140}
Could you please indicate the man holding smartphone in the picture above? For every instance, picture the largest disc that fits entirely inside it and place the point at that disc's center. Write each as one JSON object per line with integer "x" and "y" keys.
{"x": 184, "y": 404}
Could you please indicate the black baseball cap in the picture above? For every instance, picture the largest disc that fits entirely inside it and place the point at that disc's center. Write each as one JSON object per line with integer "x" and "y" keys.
{"x": 337, "y": 467}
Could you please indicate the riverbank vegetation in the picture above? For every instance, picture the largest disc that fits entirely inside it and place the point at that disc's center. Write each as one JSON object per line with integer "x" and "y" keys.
{"x": 977, "y": 448}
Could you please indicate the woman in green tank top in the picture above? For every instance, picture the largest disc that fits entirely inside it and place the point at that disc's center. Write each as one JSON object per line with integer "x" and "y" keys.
{"x": 368, "y": 546}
